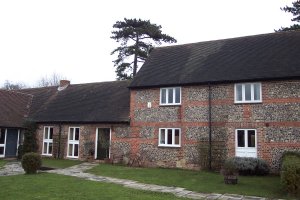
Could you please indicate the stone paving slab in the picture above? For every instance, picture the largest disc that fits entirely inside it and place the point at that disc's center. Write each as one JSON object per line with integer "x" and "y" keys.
{"x": 14, "y": 168}
{"x": 11, "y": 168}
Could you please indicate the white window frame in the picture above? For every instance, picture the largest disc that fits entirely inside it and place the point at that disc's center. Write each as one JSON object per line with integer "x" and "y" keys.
{"x": 96, "y": 141}
{"x": 166, "y": 137}
{"x": 167, "y": 94}
{"x": 243, "y": 93}
{"x": 48, "y": 141}
{"x": 73, "y": 142}
{"x": 237, "y": 148}
{"x": 4, "y": 145}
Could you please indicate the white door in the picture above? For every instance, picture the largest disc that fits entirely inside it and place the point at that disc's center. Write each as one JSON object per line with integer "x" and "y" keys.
{"x": 246, "y": 144}
{"x": 2, "y": 142}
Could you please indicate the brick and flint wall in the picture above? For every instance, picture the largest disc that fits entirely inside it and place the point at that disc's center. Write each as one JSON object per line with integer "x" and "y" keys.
{"x": 276, "y": 120}
{"x": 86, "y": 140}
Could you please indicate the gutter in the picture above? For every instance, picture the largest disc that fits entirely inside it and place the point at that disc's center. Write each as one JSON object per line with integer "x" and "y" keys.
{"x": 59, "y": 140}
{"x": 210, "y": 127}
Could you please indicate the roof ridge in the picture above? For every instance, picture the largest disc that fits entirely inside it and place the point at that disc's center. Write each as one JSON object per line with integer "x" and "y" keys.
{"x": 100, "y": 82}
{"x": 226, "y": 39}
{"x": 20, "y": 93}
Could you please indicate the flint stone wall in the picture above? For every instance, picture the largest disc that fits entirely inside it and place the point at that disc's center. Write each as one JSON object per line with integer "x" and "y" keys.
{"x": 160, "y": 114}
{"x": 276, "y": 120}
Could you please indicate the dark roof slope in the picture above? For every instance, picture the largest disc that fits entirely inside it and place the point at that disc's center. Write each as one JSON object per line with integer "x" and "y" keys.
{"x": 82, "y": 103}
{"x": 41, "y": 97}
{"x": 14, "y": 108}
{"x": 259, "y": 57}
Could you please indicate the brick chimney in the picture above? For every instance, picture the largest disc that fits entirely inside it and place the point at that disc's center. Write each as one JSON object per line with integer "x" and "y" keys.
{"x": 63, "y": 84}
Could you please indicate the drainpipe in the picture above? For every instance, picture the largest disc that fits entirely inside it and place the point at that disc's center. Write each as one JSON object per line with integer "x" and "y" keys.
{"x": 59, "y": 140}
{"x": 210, "y": 126}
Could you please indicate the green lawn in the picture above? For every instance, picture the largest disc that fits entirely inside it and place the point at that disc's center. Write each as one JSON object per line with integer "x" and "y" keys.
{"x": 200, "y": 181}
{"x": 2, "y": 163}
{"x": 53, "y": 186}
{"x": 59, "y": 163}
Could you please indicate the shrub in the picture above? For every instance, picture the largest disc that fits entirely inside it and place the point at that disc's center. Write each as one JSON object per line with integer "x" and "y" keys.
{"x": 30, "y": 143}
{"x": 229, "y": 168}
{"x": 251, "y": 166}
{"x": 31, "y": 162}
{"x": 262, "y": 168}
{"x": 290, "y": 173}
{"x": 20, "y": 152}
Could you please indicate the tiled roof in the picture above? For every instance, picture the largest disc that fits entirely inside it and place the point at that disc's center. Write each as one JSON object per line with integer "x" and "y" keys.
{"x": 89, "y": 103}
{"x": 14, "y": 108}
{"x": 105, "y": 102}
{"x": 259, "y": 57}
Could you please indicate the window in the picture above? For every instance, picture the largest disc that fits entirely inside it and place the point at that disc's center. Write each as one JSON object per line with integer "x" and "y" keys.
{"x": 48, "y": 141}
{"x": 170, "y": 96}
{"x": 2, "y": 142}
{"x": 246, "y": 143}
{"x": 248, "y": 93}
{"x": 73, "y": 142}
{"x": 169, "y": 137}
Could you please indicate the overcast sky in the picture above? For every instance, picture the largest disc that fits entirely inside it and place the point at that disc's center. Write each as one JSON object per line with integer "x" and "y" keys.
{"x": 72, "y": 38}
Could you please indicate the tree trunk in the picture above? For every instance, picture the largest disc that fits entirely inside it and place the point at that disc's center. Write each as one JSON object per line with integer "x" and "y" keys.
{"x": 135, "y": 56}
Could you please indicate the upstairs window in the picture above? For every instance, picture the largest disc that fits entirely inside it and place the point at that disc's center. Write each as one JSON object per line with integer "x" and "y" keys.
{"x": 170, "y": 96}
{"x": 247, "y": 93}
{"x": 169, "y": 137}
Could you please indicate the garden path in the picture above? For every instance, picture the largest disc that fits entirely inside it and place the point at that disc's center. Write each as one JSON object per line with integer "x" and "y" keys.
{"x": 15, "y": 168}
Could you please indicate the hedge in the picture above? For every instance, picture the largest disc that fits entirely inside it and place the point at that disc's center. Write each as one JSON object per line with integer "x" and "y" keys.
{"x": 290, "y": 173}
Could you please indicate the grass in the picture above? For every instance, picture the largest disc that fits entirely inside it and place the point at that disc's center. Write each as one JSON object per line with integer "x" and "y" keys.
{"x": 199, "y": 181}
{"x": 2, "y": 163}
{"x": 59, "y": 163}
{"x": 54, "y": 187}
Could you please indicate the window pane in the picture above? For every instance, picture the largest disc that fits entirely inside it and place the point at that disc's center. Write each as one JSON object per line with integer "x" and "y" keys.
{"x": 169, "y": 136}
{"x": 45, "y": 147}
{"x": 256, "y": 91}
{"x": 76, "y": 150}
{"x": 251, "y": 138}
{"x": 177, "y": 95}
{"x": 241, "y": 138}
{"x": 50, "y": 148}
{"x": 51, "y": 133}
{"x": 46, "y": 133}
{"x": 170, "y": 95}
{"x": 239, "y": 96}
{"x": 177, "y": 136}
{"x": 248, "y": 92}
{"x": 70, "y": 149}
{"x": 162, "y": 136}
{"x": 163, "y": 96}
{"x": 71, "y": 133}
{"x": 77, "y": 134}
{"x": 2, "y": 136}
{"x": 1, "y": 150}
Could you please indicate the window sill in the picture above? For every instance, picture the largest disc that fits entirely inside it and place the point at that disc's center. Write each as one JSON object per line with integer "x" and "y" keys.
{"x": 169, "y": 105}
{"x": 247, "y": 102}
{"x": 48, "y": 155}
{"x": 73, "y": 157}
{"x": 172, "y": 146}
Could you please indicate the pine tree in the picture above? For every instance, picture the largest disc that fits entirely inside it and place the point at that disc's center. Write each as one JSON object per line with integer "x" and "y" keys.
{"x": 295, "y": 10}
{"x": 137, "y": 38}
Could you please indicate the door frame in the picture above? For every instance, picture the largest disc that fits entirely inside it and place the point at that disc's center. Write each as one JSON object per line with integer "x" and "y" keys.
{"x": 237, "y": 149}
{"x": 4, "y": 145}
{"x": 96, "y": 141}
